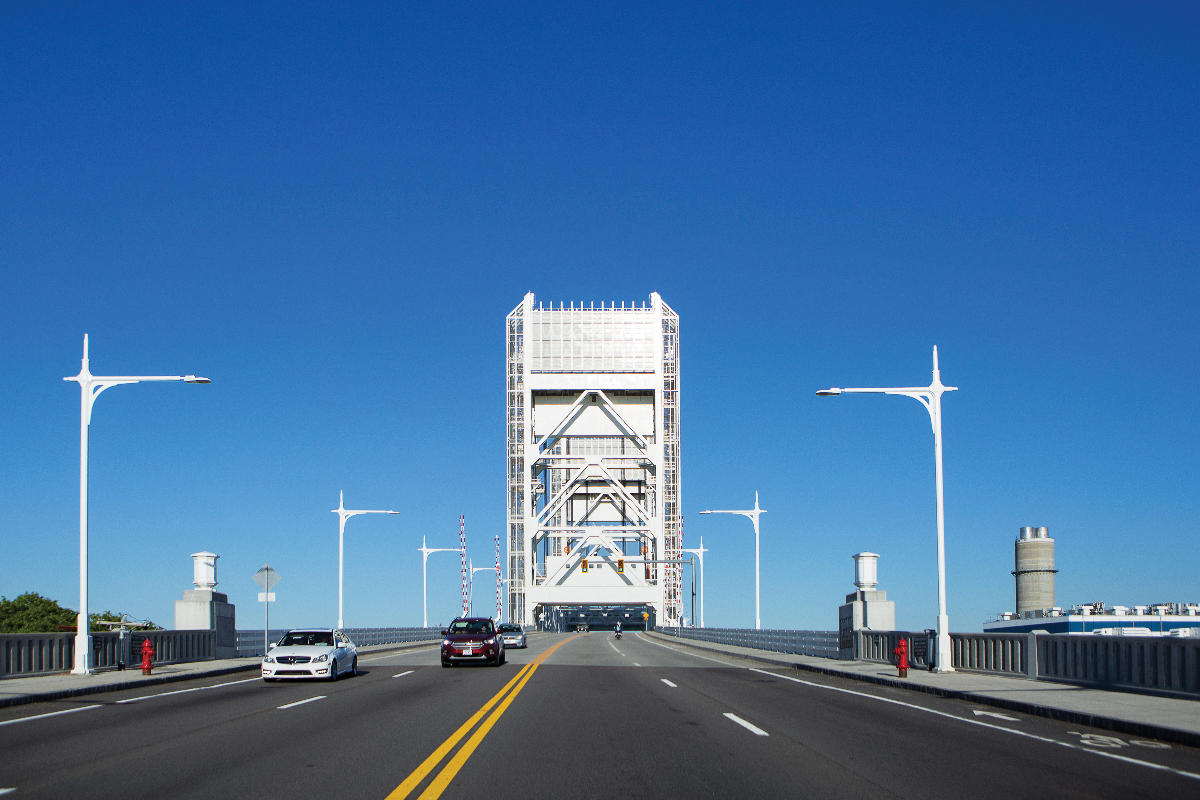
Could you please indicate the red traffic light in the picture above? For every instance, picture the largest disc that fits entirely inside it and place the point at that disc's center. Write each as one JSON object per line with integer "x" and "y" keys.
{"x": 583, "y": 565}
{"x": 620, "y": 565}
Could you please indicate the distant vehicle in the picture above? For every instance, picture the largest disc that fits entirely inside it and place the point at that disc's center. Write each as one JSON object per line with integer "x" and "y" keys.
{"x": 311, "y": 653}
{"x": 472, "y": 640}
{"x": 513, "y": 635}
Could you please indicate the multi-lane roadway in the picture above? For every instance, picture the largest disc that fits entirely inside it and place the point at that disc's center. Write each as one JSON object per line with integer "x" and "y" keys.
{"x": 574, "y": 715}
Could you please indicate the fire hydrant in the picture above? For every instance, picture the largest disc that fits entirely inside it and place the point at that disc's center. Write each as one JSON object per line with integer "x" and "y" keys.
{"x": 901, "y": 652}
{"x": 147, "y": 656}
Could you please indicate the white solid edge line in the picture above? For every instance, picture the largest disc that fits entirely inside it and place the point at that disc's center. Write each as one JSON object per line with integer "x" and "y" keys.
{"x": 687, "y": 652}
{"x": 402, "y": 674}
{"x": 185, "y": 691}
{"x": 983, "y": 724}
{"x": 302, "y": 702}
{"x": 752, "y": 728}
{"x": 51, "y": 714}
{"x": 7, "y": 789}
{"x": 668, "y": 683}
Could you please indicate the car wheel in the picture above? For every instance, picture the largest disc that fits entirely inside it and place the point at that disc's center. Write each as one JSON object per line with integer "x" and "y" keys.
{"x": 445, "y": 663}
{"x": 268, "y": 680}
{"x": 354, "y": 667}
{"x": 504, "y": 656}
{"x": 333, "y": 670}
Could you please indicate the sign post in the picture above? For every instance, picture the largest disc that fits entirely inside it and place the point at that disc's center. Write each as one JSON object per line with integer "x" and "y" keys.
{"x": 266, "y": 577}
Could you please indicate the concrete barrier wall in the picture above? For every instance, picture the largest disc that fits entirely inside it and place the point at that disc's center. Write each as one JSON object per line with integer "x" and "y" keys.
{"x": 1159, "y": 663}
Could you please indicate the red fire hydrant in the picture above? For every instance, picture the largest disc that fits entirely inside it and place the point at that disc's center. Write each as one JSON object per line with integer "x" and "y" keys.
{"x": 901, "y": 652}
{"x": 147, "y": 656}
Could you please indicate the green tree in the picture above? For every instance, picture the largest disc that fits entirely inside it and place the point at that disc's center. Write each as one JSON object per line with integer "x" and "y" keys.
{"x": 32, "y": 613}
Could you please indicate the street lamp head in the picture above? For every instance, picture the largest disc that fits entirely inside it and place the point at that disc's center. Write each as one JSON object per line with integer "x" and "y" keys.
{"x": 195, "y": 379}
{"x": 706, "y": 512}
{"x": 830, "y": 392}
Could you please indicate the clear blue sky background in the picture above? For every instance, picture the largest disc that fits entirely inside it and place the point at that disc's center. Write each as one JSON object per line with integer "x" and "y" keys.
{"x": 330, "y": 211}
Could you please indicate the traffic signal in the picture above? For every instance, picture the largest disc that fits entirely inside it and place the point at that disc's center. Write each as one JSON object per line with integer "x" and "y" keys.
{"x": 620, "y": 565}
{"x": 583, "y": 565}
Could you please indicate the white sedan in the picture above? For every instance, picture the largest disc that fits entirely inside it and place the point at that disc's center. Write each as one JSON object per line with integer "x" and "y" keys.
{"x": 311, "y": 653}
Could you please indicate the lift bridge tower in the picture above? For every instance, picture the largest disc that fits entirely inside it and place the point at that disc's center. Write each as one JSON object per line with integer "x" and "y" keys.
{"x": 594, "y": 516}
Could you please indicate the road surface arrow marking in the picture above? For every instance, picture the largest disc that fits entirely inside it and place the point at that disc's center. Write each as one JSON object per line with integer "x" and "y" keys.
{"x": 977, "y": 713}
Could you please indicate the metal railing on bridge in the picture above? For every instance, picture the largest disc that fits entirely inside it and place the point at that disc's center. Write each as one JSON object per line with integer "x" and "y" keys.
{"x": 250, "y": 643}
{"x": 45, "y": 653}
{"x": 823, "y": 644}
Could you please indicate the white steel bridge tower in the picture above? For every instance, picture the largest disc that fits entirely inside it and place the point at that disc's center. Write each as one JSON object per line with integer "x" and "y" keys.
{"x": 594, "y": 515}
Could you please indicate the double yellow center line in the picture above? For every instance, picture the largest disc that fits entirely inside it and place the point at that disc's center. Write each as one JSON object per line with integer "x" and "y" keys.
{"x": 497, "y": 705}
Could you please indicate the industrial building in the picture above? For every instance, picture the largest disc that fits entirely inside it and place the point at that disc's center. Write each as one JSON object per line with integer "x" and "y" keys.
{"x": 594, "y": 515}
{"x": 1036, "y": 610}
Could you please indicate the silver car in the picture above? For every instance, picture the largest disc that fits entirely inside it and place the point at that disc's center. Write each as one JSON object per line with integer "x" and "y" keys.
{"x": 512, "y": 635}
{"x": 311, "y": 653}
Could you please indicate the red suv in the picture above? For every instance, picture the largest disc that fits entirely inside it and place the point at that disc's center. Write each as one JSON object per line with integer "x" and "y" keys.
{"x": 472, "y": 639}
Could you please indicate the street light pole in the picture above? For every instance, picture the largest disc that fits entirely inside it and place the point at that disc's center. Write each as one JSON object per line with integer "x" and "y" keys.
{"x": 699, "y": 553}
{"x": 752, "y": 515}
{"x": 930, "y": 397}
{"x": 475, "y": 569}
{"x": 425, "y": 551}
{"x": 90, "y": 387}
{"x": 343, "y": 515}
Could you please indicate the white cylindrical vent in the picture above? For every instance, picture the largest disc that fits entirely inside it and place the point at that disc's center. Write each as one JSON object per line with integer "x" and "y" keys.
{"x": 1034, "y": 570}
{"x": 866, "y": 571}
{"x": 204, "y": 570}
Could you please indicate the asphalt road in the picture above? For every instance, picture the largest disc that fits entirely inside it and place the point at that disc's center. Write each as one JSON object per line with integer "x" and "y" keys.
{"x": 572, "y": 716}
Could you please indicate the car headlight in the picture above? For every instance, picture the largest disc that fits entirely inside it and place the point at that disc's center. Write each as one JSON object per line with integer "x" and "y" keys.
{"x": 322, "y": 657}
{"x": 445, "y": 642}
{"x": 269, "y": 660}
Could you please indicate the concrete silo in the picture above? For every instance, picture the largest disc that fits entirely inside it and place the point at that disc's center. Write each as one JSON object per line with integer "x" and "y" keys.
{"x": 1034, "y": 570}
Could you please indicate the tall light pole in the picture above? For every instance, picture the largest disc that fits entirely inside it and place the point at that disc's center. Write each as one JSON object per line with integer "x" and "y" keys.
{"x": 425, "y": 551}
{"x": 343, "y": 515}
{"x": 90, "y": 387}
{"x": 752, "y": 515}
{"x": 930, "y": 397}
{"x": 699, "y": 553}
{"x": 475, "y": 569}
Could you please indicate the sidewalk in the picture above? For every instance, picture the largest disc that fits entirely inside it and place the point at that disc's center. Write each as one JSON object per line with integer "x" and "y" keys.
{"x": 35, "y": 688}
{"x": 1140, "y": 715}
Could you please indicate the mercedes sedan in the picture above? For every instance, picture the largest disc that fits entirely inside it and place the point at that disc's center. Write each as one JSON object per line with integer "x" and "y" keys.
{"x": 311, "y": 653}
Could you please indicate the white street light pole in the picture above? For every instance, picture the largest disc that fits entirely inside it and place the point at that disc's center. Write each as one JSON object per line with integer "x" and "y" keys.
{"x": 90, "y": 387}
{"x": 475, "y": 569}
{"x": 425, "y": 551}
{"x": 752, "y": 515}
{"x": 699, "y": 553}
{"x": 930, "y": 397}
{"x": 343, "y": 515}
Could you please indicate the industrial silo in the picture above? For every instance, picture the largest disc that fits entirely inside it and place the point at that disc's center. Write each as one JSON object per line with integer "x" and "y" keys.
{"x": 1034, "y": 570}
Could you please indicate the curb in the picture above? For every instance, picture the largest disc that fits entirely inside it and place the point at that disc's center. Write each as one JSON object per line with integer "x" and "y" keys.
{"x": 1139, "y": 729}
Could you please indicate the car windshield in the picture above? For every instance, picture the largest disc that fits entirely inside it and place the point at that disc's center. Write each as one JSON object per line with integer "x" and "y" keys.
{"x": 510, "y": 628}
{"x": 294, "y": 638}
{"x": 471, "y": 626}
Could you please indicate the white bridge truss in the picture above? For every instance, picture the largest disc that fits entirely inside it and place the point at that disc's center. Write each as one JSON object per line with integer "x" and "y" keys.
{"x": 593, "y": 458}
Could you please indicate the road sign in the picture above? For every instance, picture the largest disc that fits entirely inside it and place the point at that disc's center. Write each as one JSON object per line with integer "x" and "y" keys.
{"x": 266, "y": 597}
{"x": 266, "y": 577}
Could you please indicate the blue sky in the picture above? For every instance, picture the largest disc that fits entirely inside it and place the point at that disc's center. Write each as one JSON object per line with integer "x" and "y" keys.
{"x": 330, "y": 212}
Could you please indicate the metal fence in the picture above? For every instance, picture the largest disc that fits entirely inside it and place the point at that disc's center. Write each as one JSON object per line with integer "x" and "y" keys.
{"x": 822, "y": 644}
{"x": 44, "y": 653}
{"x": 250, "y": 643}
